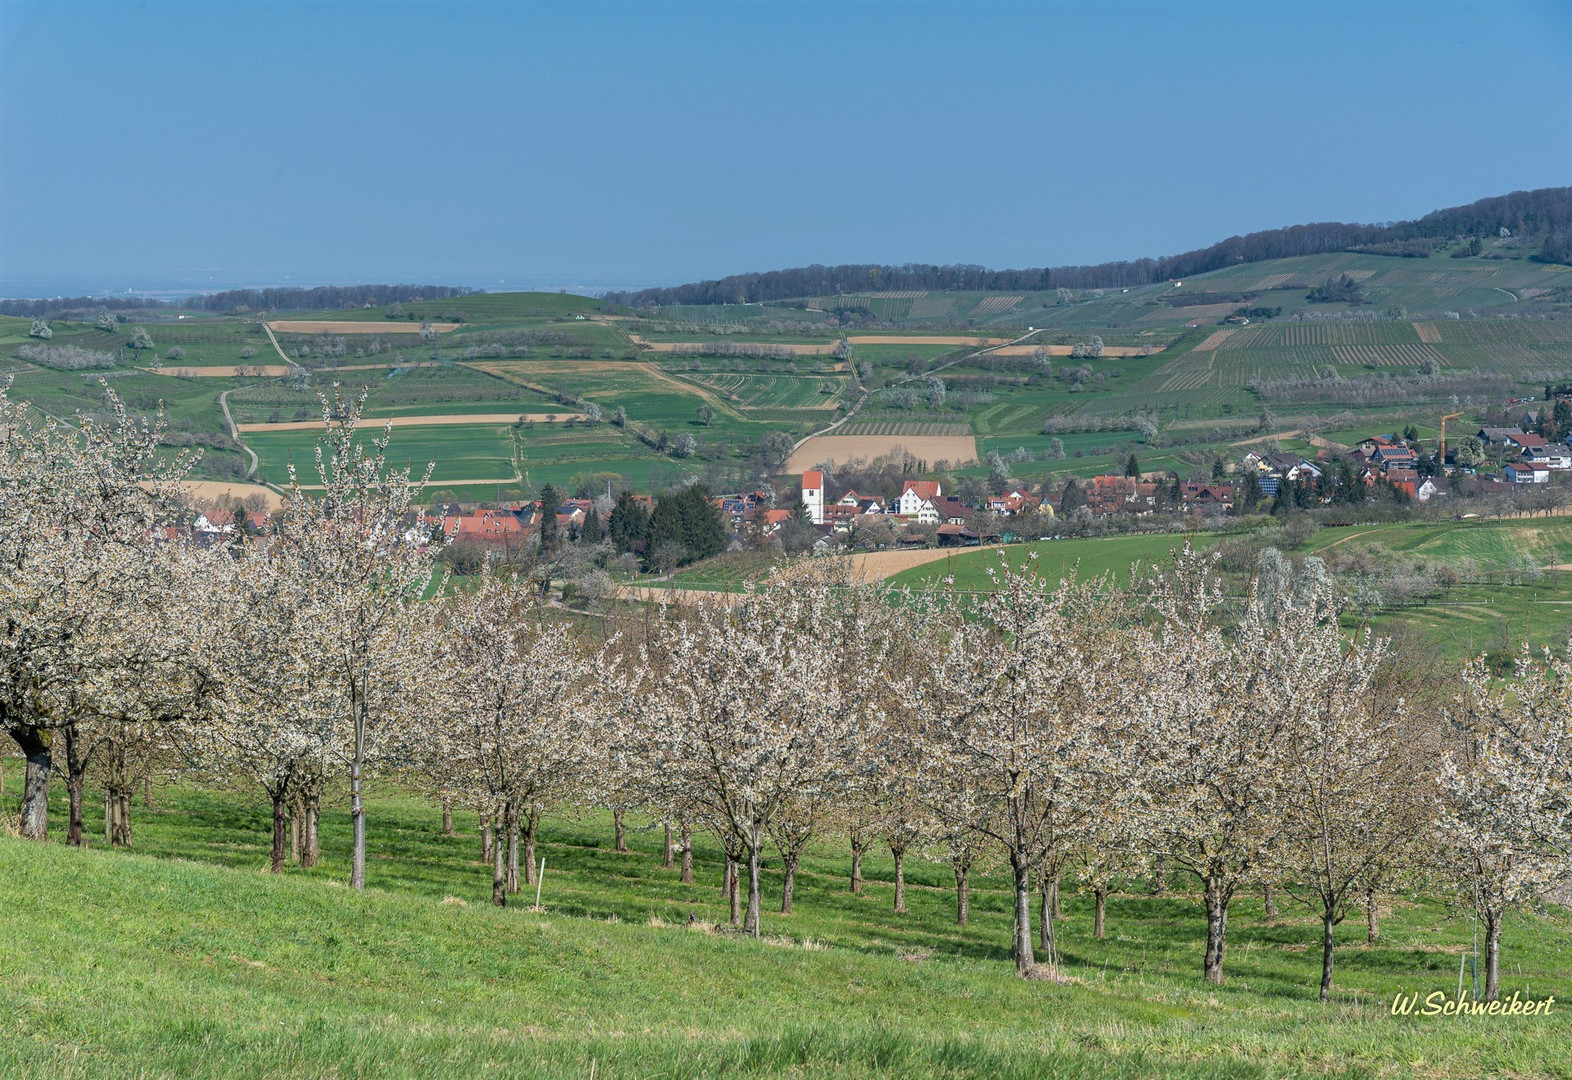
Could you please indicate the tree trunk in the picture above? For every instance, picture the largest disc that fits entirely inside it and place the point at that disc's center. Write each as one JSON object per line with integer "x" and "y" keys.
{"x": 1372, "y": 917}
{"x": 1326, "y": 955}
{"x": 1216, "y": 930}
{"x": 122, "y": 833}
{"x": 856, "y": 873}
{"x": 531, "y": 828}
{"x": 1099, "y": 911}
{"x": 668, "y": 857}
{"x": 513, "y": 849}
{"x": 109, "y": 817}
{"x": 687, "y": 854}
{"x": 499, "y": 873}
{"x": 750, "y": 924}
{"x": 296, "y": 821}
{"x": 1044, "y": 917}
{"x": 74, "y": 782}
{"x": 1268, "y": 901}
{"x": 1053, "y": 898}
{"x": 734, "y": 893}
{"x": 1021, "y": 870}
{"x": 620, "y": 834}
{"x": 36, "y": 744}
{"x": 1160, "y": 879}
{"x": 279, "y": 798}
{"x": 357, "y": 807}
{"x": 311, "y": 843}
{"x": 486, "y": 839}
{"x": 447, "y": 818}
{"x": 900, "y": 880}
{"x": 1492, "y": 954}
{"x": 963, "y": 899}
{"x": 76, "y": 776}
{"x": 790, "y": 884}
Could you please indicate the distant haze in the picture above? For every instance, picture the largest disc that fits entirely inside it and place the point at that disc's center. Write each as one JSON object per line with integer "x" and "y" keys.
{"x": 177, "y": 147}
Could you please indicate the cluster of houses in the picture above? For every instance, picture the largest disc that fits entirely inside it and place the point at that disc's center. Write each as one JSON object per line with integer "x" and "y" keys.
{"x": 1537, "y": 457}
{"x": 921, "y": 502}
{"x": 1132, "y": 495}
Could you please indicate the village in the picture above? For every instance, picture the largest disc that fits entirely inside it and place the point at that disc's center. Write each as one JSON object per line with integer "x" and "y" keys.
{"x": 820, "y": 513}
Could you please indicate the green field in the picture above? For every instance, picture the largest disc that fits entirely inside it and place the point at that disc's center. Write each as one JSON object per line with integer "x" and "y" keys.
{"x": 1493, "y": 608}
{"x": 184, "y": 958}
{"x": 1497, "y": 314}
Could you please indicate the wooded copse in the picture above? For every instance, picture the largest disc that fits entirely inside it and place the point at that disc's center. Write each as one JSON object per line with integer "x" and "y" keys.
{"x": 1072, "y": 730}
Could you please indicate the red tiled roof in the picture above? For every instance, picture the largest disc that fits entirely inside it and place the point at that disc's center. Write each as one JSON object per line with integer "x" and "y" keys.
{"x": 813, "y": 478}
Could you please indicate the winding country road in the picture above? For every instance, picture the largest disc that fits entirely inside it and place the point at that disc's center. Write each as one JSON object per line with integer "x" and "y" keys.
{"x": 234, "y": 430}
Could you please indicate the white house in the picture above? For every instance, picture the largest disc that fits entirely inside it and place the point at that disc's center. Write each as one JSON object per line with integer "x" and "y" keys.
{"x": 813, "y": 495}
{"x": 913, "y": 494}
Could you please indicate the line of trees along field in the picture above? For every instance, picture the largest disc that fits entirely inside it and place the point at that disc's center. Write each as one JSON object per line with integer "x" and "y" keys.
{"x": 1052, "y": 728}
{"x": 1544, "y": 213}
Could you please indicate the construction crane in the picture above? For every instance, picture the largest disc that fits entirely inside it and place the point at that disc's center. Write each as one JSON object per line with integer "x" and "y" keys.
{"x": 1441, "y": 454}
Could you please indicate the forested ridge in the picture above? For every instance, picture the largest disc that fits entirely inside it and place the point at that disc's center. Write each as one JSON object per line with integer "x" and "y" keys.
{"x": 1545, "y": 213}
{"x": 285, "y": 298}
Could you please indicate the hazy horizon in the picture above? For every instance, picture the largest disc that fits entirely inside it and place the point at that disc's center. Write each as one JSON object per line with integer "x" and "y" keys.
{"x": 171, "y": 148}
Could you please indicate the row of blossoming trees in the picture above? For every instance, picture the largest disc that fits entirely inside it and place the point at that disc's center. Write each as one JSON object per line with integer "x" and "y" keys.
{"x": 1052, "y": 728}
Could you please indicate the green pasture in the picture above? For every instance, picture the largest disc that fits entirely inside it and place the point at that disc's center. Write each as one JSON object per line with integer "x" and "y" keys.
{"x": 1489, "y": 544}
{"x": 461, "y": 452}
{"x": 412, "y": 391}
{"x": 1053, "y": 559}
{"x": 185, "y": 958}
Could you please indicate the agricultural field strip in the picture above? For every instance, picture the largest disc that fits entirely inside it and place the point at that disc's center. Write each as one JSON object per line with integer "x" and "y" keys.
{"x": 442, "y": 420}
{"x": 770, "y": 391}
{"x": 329, "y": 326}
{"x": 843, "y": 448}
{"x": 221, "y": 371}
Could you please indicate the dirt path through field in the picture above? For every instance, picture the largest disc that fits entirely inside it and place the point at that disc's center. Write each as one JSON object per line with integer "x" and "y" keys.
{"x": 1268, "y": 438}
{"x": 1429, "y": 333}
{"x": 221, "y": 371}
{"x": 234, "y": 433}
{"x": 282, "y": 355}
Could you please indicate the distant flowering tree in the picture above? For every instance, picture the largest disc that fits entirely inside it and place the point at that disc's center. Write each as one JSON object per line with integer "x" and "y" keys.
{"x": 1505, "y": 785}
{"x": 365, "y": 570}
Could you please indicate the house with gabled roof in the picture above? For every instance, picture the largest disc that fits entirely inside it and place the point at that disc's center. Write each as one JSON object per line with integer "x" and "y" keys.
{"x": 913, "y": 494}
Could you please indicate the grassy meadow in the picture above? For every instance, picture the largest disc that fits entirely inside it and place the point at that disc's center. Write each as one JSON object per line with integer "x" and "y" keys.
{"x": 185, "y": 958}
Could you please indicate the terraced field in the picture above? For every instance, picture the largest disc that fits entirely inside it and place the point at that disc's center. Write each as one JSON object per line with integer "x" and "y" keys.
{"x": 774, "y": 391}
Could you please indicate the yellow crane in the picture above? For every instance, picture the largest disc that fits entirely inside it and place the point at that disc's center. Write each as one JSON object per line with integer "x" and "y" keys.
{"x": 1441, "y": 454}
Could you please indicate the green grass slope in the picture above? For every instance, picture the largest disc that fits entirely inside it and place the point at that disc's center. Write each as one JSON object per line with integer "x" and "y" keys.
{"x": 186, "y": 959}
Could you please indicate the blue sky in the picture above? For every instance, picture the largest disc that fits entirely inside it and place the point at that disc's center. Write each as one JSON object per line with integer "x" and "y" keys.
{"x": 595, "y": 144}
